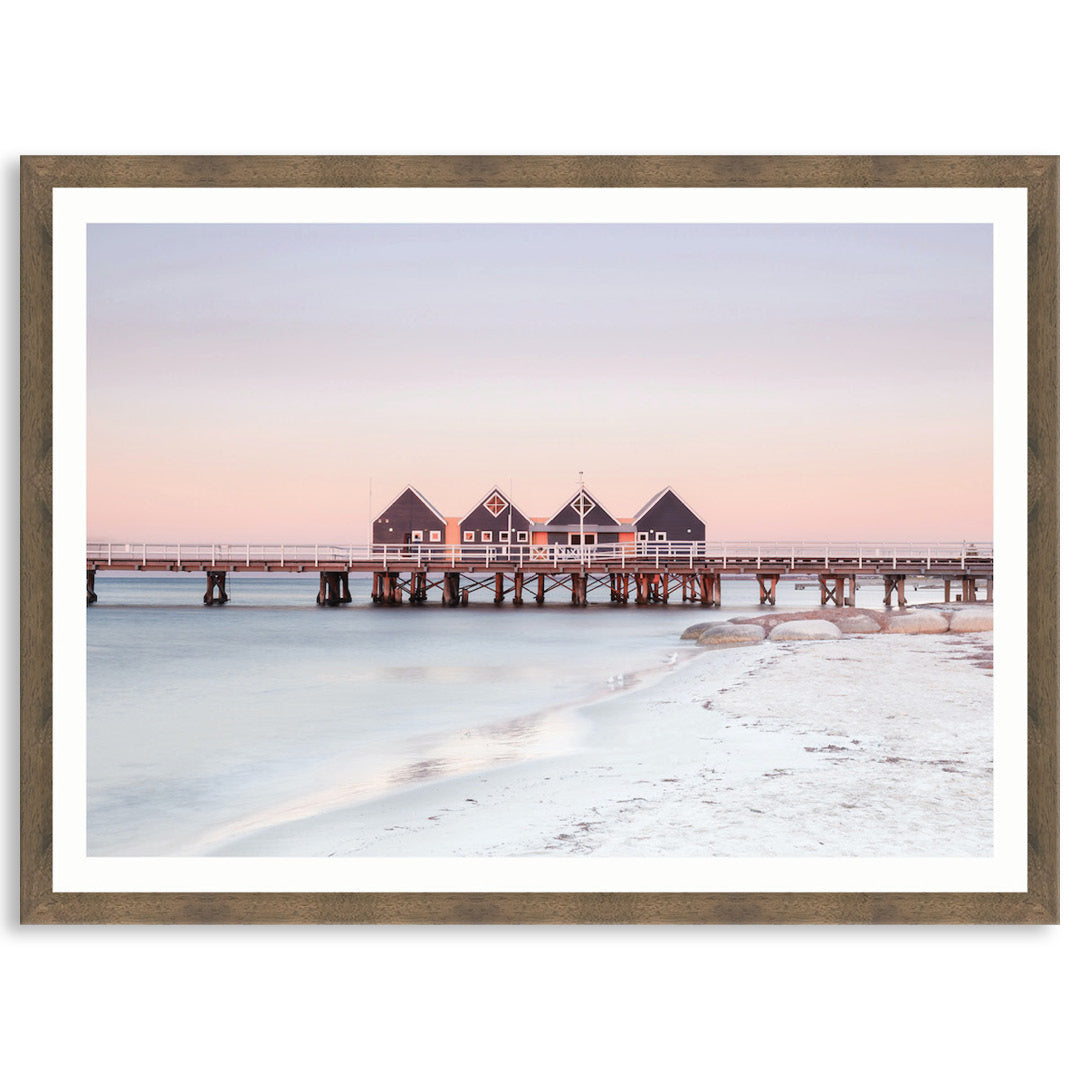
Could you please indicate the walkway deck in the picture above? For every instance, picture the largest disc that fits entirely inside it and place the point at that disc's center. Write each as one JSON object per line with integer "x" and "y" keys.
{"x": 409, "y": 572}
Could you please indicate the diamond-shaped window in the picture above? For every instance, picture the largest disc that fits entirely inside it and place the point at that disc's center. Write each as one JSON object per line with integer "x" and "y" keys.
{"x": 495, "y": 505}
{"x": 582, "y": 504}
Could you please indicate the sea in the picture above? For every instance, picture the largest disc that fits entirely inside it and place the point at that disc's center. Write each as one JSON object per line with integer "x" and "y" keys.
{"x": 208, "y": 724}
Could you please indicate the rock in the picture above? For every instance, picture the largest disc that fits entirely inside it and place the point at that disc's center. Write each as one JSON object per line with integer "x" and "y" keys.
{"x": 919, "y": 622}
{"x": 692, "y": 633}
{"x": 859, "y": 624}
{"x": 967, "y": 620}
{"x": 805, "y": 630}
{"x": 726, "y": 633}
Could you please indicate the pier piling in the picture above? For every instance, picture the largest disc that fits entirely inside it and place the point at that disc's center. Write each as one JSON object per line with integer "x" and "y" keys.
{"x": 894, "y": 582}
{"x": 215, "y": 588}
{"x": 333, "y": 588}
{"x": 91, "y": 596}
{"x": 767, "y": 588}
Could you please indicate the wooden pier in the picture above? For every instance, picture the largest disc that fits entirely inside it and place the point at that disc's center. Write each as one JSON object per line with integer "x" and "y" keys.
{"x": 642, "y": 573}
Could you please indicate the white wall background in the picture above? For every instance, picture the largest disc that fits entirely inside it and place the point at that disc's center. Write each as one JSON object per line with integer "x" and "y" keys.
{"x": 480, "y": 76}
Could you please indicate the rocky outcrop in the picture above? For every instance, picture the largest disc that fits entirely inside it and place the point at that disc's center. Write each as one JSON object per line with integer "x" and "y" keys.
{"x": 692, "y": 633}
{"x": 859, "y": 624}
{"x": 726, "y": 633}
{"x": 919, "y": 622}
{"x": 970, "y": 620}
{"x": 827, "y": 614}
{"x": 805, "y": 630}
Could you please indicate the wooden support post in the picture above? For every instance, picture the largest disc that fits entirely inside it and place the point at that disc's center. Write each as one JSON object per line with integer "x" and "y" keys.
{"x": 989, "y": 590}
{"x": 578, "y": 590}
{"x": 329, "y": 588}
{"x": 667, "y": 579}
{"x": 706, "y": 590}
{"x": 716, "y": 590}
{"x": 346, "y": 596}
{"x": 498, "y": 588}
{"x": 851, "y": 600}
{"x": 613, "y": 588}
{"x": 215, "y": 588}
{"x": 451, "y": 589}
{"x": 948, "y": 586}
{"x": 91, "y": 596}
{"x": 519, "y": 588}
{"x": 894, "y": 582}
{"x": 464, "y": 598}
{"x": 767, "y": 588}
{"x": 639, "y": 584}
{"x": 376, "y": 588}
{"x": 539, "y": 588}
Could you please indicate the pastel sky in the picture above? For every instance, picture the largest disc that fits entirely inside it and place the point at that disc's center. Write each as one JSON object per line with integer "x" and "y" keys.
{"x": 249, "y": 382}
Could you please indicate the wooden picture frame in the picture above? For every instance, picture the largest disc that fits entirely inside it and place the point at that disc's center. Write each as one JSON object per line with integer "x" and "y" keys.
{"x": 41, "y": 175}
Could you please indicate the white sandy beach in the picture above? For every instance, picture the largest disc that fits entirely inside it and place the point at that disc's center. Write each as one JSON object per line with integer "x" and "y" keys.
{"x": 877, "y": 745}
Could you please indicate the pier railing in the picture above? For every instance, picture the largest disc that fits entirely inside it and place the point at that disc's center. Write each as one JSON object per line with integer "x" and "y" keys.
{"x": 739, "y": 554}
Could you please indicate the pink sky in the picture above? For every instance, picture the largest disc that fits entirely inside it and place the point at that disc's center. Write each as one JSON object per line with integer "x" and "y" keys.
{"x": 249, "y": 383}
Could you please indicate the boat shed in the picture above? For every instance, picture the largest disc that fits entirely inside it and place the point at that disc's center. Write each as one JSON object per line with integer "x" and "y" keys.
{"x": 409, "y": 519}
{"x": 666, "y": 517}
{"x": 495, "y": 520}
{"x": 565, "y": 526}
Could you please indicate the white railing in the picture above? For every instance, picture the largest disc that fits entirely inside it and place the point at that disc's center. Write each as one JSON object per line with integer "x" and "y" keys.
{"x": 740, "y": 554}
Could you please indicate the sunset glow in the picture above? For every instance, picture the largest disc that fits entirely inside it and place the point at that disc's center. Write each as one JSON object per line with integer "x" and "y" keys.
{"x": 283, "y": 382}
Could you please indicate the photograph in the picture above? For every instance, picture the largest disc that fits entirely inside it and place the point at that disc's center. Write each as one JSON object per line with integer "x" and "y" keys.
{"x": 540, "y": 540}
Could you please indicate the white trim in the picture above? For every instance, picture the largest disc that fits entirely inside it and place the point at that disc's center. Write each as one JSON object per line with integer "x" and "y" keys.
{"x": 468, "y": 536}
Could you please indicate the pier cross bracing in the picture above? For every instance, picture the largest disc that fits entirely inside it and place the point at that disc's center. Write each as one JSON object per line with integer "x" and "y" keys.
{"x": 639, "y": 572}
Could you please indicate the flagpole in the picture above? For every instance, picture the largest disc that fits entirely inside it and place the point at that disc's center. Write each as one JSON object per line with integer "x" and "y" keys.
{"x": 581, "y": 514}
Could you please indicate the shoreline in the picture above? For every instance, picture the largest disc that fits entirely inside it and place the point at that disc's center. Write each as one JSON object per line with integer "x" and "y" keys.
{"x": 783, "y": 749}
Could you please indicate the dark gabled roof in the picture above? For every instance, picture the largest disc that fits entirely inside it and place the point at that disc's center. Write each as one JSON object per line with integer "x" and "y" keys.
{"x": 658, "y": 496}
{"x": 572, "y": 516}
{"x": 496, "y": 491}
{"x": 404, "y": 490}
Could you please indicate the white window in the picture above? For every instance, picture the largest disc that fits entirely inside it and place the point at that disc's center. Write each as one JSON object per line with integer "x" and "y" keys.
{"x": 582, "y": 504}
{"x": 495, "y": 505}
{"x": 470, "y": 537}
{"x": 661, "y": 536}
{"x": 642, "y": 537}
{"x": 418, "y": 535}
{"x": 485, "y": 538}
{"x": 434, "y": 536}
{"x": 504, "y": 538}
{"x": 522, "y": 537}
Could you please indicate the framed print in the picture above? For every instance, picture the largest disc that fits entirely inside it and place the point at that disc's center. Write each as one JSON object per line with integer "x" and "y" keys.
{"x": 539, "y": 539}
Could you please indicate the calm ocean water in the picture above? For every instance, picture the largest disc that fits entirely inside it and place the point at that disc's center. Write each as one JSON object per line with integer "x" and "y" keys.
{"x": 205, "y": 724}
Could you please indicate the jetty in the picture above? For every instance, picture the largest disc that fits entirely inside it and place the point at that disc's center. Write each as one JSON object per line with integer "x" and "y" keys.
{"x": 641, "y": 572}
